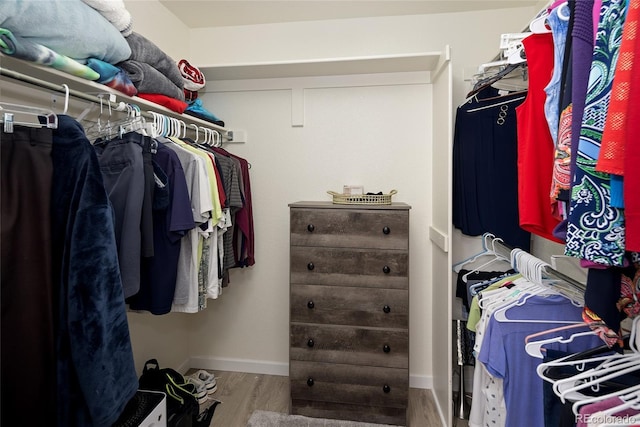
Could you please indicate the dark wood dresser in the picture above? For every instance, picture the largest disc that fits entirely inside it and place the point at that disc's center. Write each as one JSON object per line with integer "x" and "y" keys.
{"x": 349, "y": 318}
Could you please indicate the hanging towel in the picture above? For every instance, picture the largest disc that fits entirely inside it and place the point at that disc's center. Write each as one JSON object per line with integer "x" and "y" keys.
{"x": 21, "y": 48}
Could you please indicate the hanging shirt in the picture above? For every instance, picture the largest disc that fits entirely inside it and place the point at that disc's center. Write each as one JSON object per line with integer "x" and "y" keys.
{"x": 503, "y": 353}
{"x": 535, "y": 144}
{"x": 201, "y": 207}
{"x": 485, "y": 175}
{"x": 172, "y": 220}
{"x": 558, "y": 20}
{"x": 96, "y": 373}
{"x": 595, "y": 230}
{"x": 632, "y": 149}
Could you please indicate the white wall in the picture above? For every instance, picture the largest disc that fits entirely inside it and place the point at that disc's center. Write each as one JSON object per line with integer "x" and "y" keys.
{"x": 378, "y": 136}
{"x": 474, "y": 38}
{"x": 155, "y": 22}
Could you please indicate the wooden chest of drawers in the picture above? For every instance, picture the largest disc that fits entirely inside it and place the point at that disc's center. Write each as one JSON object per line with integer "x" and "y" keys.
{"x": 349, "y": 318}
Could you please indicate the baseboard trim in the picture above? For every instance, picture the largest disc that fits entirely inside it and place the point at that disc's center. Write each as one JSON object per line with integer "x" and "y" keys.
{"x": 438, "y": 407}
{"x": 421, "y": 381}
{"x": 272, "y": 368}
{"x": 240, "y": 365}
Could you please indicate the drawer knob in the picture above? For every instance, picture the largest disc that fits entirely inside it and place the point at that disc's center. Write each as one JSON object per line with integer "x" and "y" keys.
{"x": 310, "y": 343}
{"x": 310, "y": 228}
{"x": 386, "y": 388}
{"x": 386, "y": 348}
{"x": 386, "y": 230}
{"x": 386, "y": 309}
{"x": 310, "y": 304}
{"x": 310, "y": 266}
{"x": 386, "y": 269}
{"x": 310, "y": 381}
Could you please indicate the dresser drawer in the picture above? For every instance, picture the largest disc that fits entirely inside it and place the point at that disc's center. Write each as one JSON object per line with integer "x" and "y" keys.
{"x": 362, "y": 385}
{"x": 349, "y": 267}
{"x": 344, "y": 305}
{"x": 347, "y": 228}
{"x": 349, "y": 345}
{"x": 345, "y": 411}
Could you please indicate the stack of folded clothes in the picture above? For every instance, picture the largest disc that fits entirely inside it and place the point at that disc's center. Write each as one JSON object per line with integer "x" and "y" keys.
{"x": 194, "y": 81}
{"x": 154, "y": 74}
{"x": 84, "y": 38}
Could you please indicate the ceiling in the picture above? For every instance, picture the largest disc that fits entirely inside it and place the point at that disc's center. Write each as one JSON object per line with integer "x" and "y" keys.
{"x": 216, "y": 13}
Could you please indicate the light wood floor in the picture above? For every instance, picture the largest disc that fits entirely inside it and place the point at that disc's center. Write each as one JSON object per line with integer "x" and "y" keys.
{"x": 242, "y": 393}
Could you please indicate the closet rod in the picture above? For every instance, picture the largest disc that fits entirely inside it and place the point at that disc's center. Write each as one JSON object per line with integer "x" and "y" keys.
{"x": 227, "y": 134}
{"x": 546, "y": 269}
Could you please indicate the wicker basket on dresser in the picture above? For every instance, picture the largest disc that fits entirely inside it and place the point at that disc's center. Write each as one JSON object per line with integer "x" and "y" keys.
{"x": 349, "y": 318}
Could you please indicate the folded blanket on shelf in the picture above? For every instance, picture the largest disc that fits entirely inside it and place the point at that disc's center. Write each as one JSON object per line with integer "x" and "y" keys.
{"x": 196, "y": 109}
{"x": 112, "y": 76}
{"x": 148, "y": 79}
{"x": 193, "y": 78}
{"x": 18, "y": 47}
{"x": 144, "y": 50}
{"x": 68, "y": 27}
{"x": 171, "y": 103}
{"x": 115, "y": 12}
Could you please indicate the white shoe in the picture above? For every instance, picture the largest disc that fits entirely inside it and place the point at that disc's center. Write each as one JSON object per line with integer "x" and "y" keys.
{"x": 208, "y": 378}
{"x": 201, "y": 389}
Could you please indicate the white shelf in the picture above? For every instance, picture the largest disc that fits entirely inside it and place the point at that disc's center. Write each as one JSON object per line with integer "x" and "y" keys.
{"x": 81, "y": 86}
{"x": 424, "y": 61}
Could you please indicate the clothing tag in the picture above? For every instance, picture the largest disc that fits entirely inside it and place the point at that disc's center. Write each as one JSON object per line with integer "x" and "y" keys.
{"x": 8, "y": 122}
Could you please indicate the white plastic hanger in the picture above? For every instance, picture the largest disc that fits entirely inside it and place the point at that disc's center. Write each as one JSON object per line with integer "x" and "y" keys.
{"x": 531, "y": 269}
{"x": 515, "y": 54}
{"x": 592, "y": 399}
{"x": 611, "y": 367}
{"x": 534, "y": 348}
{"x": 496, "y": 258}
{"x": 538, "y": 25}
{"x": 195, "y": 127}
{"x": 630, "y": 400}
{"x": 485, "y": 251}
{"x": 567, "y": 388}
{"x": 501, "y": 313}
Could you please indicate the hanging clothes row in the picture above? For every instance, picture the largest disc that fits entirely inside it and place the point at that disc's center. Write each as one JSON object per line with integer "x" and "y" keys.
{"x": 525, "y": 322}
{"x": 183, "y": 216}
{"x": 66, "y": 350}
{"x": 573, "y": 179}
{"x": 566, "y": 105}
{"x": 139, "y": 219}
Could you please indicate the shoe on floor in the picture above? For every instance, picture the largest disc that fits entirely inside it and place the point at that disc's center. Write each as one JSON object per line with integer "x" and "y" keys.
{"x": 208, "y": 378}
{"x": 200, "y": 387}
